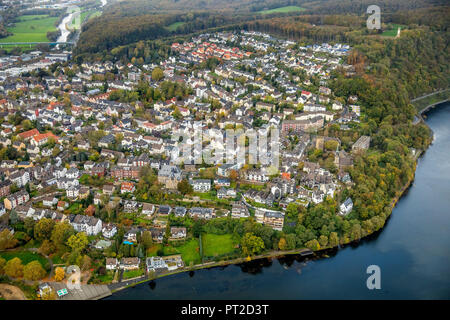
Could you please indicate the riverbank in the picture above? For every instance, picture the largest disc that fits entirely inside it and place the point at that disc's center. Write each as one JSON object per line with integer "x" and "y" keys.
{"x": 317, "y": 255}
{"x": 268, "y": 255}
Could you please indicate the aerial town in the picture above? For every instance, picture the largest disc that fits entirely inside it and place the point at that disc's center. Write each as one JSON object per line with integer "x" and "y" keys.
{"x": 80, "y": 146}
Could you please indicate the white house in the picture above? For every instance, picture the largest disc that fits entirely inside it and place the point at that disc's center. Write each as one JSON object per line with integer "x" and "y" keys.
{"x": 201, "y": 185}
{"x": 346, "y": 207}
{"x": 109, "y": 230}
{"x": 111, "y": 263}
{"x": 88, "y": 224}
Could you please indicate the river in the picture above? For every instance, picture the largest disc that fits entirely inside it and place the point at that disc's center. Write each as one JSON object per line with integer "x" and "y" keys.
{"x": 412, "y": 251}
{"x": 66, "y": 21}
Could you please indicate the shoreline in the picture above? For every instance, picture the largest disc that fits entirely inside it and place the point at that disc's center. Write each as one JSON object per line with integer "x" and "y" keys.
{"x": 278, "y": 254}
{"x": 274, "y": 254}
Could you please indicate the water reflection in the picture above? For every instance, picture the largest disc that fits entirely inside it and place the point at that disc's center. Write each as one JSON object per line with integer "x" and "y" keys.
{"x": 411, "y": 250}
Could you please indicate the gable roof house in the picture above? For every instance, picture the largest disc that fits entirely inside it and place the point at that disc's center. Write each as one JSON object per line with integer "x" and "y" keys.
{"x": 88, "y": 224}
{"x": 239, "y": 210}
{"x": 346, "y": 207}
{"x": 170, "y": 176}
{"x": 201, "y": 185}
{"x": 129, "y": 263}
{"x": 109, "y": 230}
{"x": 203, "y": 213}
{"x": 148, "y": 209}
{"x": 177, "y": 233}
{"x": 112, "y": 263}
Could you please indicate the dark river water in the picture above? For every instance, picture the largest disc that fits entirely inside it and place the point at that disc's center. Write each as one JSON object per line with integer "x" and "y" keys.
{"x": 412, "y": 251}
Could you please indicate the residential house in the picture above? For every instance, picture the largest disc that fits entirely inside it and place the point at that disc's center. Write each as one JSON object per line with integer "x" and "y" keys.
{"x": 177, "y": 233}
{"x": 239, "y": 210}
{"x": 112, "y": 263}
{"x": 346, "y": 207}
{"x": 131, "y": 263}
{"x": 201, "y": 185}
{"x": 16, "y": 199}
{"x": 109, "y": 230}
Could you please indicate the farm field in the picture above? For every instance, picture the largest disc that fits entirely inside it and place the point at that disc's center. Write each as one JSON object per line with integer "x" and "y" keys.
{"x": 286, "y": 9}
{"x": 31, "y": 28}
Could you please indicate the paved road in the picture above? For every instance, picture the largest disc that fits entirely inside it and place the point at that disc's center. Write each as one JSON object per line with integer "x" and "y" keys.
{"x": 427, "y": 95}
{"x": 118, "y": 285}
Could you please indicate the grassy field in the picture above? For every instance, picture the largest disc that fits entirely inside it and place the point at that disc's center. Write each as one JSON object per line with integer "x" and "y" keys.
{"x": 189, "y": 251}
{"x": 214, "y": 244}
{"x": 174, "y": 26}
{"x": 392, "y": 32}
{"x": 132, "y": 274}
{"x": 56, "y": 259}
{"x": 286, "y": 9}
{"x": 25, "y": 256}
{"x": 31, "y": 28}
{"x": 107, "y": 278}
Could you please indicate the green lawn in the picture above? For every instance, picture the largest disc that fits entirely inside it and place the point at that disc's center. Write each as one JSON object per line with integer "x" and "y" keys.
{"x": 132, "y": 274}
{"x": 107, "y": 278}
{"x": 56, "y": 259}
{"x": 189, "y": 251}
{"x": 215, "y": 244}
{"x": 32, "y": 28}
{"x": 392, "y": 32}
{"x": 283, "y": 10}
{"x": 76, "y": 208}
{"x": 211, "y": 195}
{"x": 153, "y": 251}
{"x": 174, "y": 26}
{"x": 25, "y": 256}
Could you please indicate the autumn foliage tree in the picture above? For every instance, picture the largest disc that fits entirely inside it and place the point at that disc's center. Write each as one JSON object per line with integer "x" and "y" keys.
{"x": 282, "y": 244}
{"x": 7, "y": 240}
{"x": 59, "y": 274}
{"x": 2, "y": 265}
{"x": 78, "y": 242}
{"x": 33, "y": 271}
{"x": 14, "y": 268}
{"x": 251, "y": 244}
{"x": 43, "y": 229}
{"x": 157, "y": 74}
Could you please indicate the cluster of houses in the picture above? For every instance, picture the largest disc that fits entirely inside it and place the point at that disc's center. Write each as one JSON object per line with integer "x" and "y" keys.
{"x": 153, "y": 264}
{"x": 61, "y": 143}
